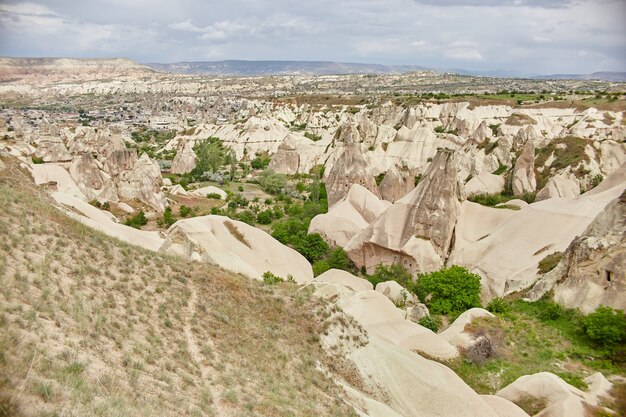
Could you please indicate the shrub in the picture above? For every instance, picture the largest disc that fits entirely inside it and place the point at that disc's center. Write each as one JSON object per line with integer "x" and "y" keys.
{"x": 260, "y": 162}
{"x": 480, "y": 351}
{"x": 37, "y": 160}
{"x": 449, "y": 290}
{"x": 272, "y": 182}
{"x": 137, "y": 220}
{"x": 313, "y": 247}
{"x": 185, "y": 211}
{"x": 319, "y": 267}
{"x": 498, "y": 306}
{"x": 214, "y": 196}
{"x": 551, "y": 311}
{"x": 605, "y": 326}
{"x": 596, "y": 180}
{"x": 338, "y": 259}
{"x": 168, "y": 217}
{"x": 550, "y": 262}
{"x": 271, "y": 279}
{"x": 394, "y": 272}
{"x": 240, "y": 188}
{"x": 430, "y": 322}
{"x": 265, "y": 217}
{"x": 246, "y": 216}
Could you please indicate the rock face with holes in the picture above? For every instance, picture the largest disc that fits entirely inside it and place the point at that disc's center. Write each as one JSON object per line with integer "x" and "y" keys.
{"x": 524, "y": 171}
{"x": 417, "y": 230}
{"x": 592, "y": 270}
{"x": 235, "y": 246}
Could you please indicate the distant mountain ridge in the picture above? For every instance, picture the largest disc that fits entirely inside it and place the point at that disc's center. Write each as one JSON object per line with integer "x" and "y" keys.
{"x": 249, "y": 68}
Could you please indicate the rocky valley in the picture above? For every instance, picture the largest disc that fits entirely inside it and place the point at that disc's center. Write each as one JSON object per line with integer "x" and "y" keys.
{"x": 376, "y": 245}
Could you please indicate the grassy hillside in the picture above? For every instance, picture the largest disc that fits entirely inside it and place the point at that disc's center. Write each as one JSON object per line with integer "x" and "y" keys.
{"x": 90, "y": 326}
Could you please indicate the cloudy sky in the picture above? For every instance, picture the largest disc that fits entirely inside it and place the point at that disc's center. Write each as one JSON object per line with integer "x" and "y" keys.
{"x": 532, "y": 36}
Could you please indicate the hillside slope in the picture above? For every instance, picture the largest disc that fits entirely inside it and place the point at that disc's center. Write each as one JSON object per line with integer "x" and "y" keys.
{"x": 92, "y": 326}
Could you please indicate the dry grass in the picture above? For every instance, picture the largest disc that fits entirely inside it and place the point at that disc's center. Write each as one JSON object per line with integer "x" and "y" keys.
{"x": 90, "y": 326}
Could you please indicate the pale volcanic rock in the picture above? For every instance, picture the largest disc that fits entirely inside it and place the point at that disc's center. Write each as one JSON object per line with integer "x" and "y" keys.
{"x": 340, "y": 277}
{"x": 396, "y": 184}
{"x": 353, "y": 213}
{"x": 58, "y": 176}
{"x": 52, "y": 149}
{"x": 407, "y": 382}
{"x": 524, "y": 171}
{"x": 456, "y": 333}
{"x": 394, "y": 291}
{"x": 177, "y": 190}
{"x": 286, "y": 160}
{"x": 591, "y": 272}
{"x": 185, "y": 160}
{"x": 563, "y": 400}
{"x": 484, "y": 183}
{"x": 416, "y": 230}
{"x": 559, "y": 186}
{"x": 504, "y": 407}
{"x": 235, "y": 246}
{"x": 210, "y": 189}
{"x": 505, "y": 246}
{"x": 379, "y": 316}
{"x": 120, "y": 161}
{"x": 612, "y": 155}
{"x": 350, "y": 168}
{"x": 94, "y": 183}
{"x": 143, "y": 182}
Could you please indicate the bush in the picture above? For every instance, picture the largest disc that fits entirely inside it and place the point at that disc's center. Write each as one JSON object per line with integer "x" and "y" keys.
{"x": 37, "y": 160}
{"x": 498, "y": 306}
{"x": 605, "y": 326}
{"x": 168, "y": 217}
{"x": 214, "y": 196}
{"x": 272, "y": 182}
{"x": 450, "y": 290}
{"x": 185, "y": 211}
{"x": 271, "y": 279}
{"x": 137, "y": 220}
{"x": 394, "y": 272}
{"x": 550, "y": 262}
{"x": 338, "y": 259}
{"x": 551, "y": 311}
{"x": 260, "y": 162}
{"x": 430, "y": 322}
{"x": 319, "y": 267}
{"x": 265, "y": 217}
{"x": 313, "y": 247}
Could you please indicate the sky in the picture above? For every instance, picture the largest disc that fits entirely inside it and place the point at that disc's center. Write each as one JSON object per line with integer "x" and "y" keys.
{"x": 529, "y": 36}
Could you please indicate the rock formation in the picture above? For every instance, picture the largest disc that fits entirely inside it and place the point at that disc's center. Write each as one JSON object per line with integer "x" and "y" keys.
{"x": 592, "y": 270}
{"x": 286, "y": 160}
{"x": 235, "y": 246}
{"x": 559, "y": 186}
{"x": 352, "y": 214}
{"x": 350, "y": 168}
{"x": 417, "y": 230}
{"x": 185, "y": 160}
{"x": 396, "y": 184}
{"x": 94, "y": 183}
{"x": 143, "y": 182}
{"x": 484, "y": 183}
{"x": 524, "y": 171}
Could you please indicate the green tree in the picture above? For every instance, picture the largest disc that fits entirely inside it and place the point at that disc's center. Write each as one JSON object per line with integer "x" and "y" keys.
{"x": 137, "y": 220}
{"x": 313, "y": 247}
{"x": 168, "y": 217}
{"x": 450, "y": 290}
{"x": 605, "y": 326}
{"x": 395, "y": 272}
{"x": 319, "y": 267}
{"x": 272, "y": 182}
{"x": 210, "y": 156}
{"x": 265, "y": 217}
{"x": 338, "y": 259}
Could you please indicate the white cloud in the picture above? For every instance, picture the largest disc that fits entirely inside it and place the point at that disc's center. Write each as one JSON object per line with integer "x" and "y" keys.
{"x": 463, "y": 54}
